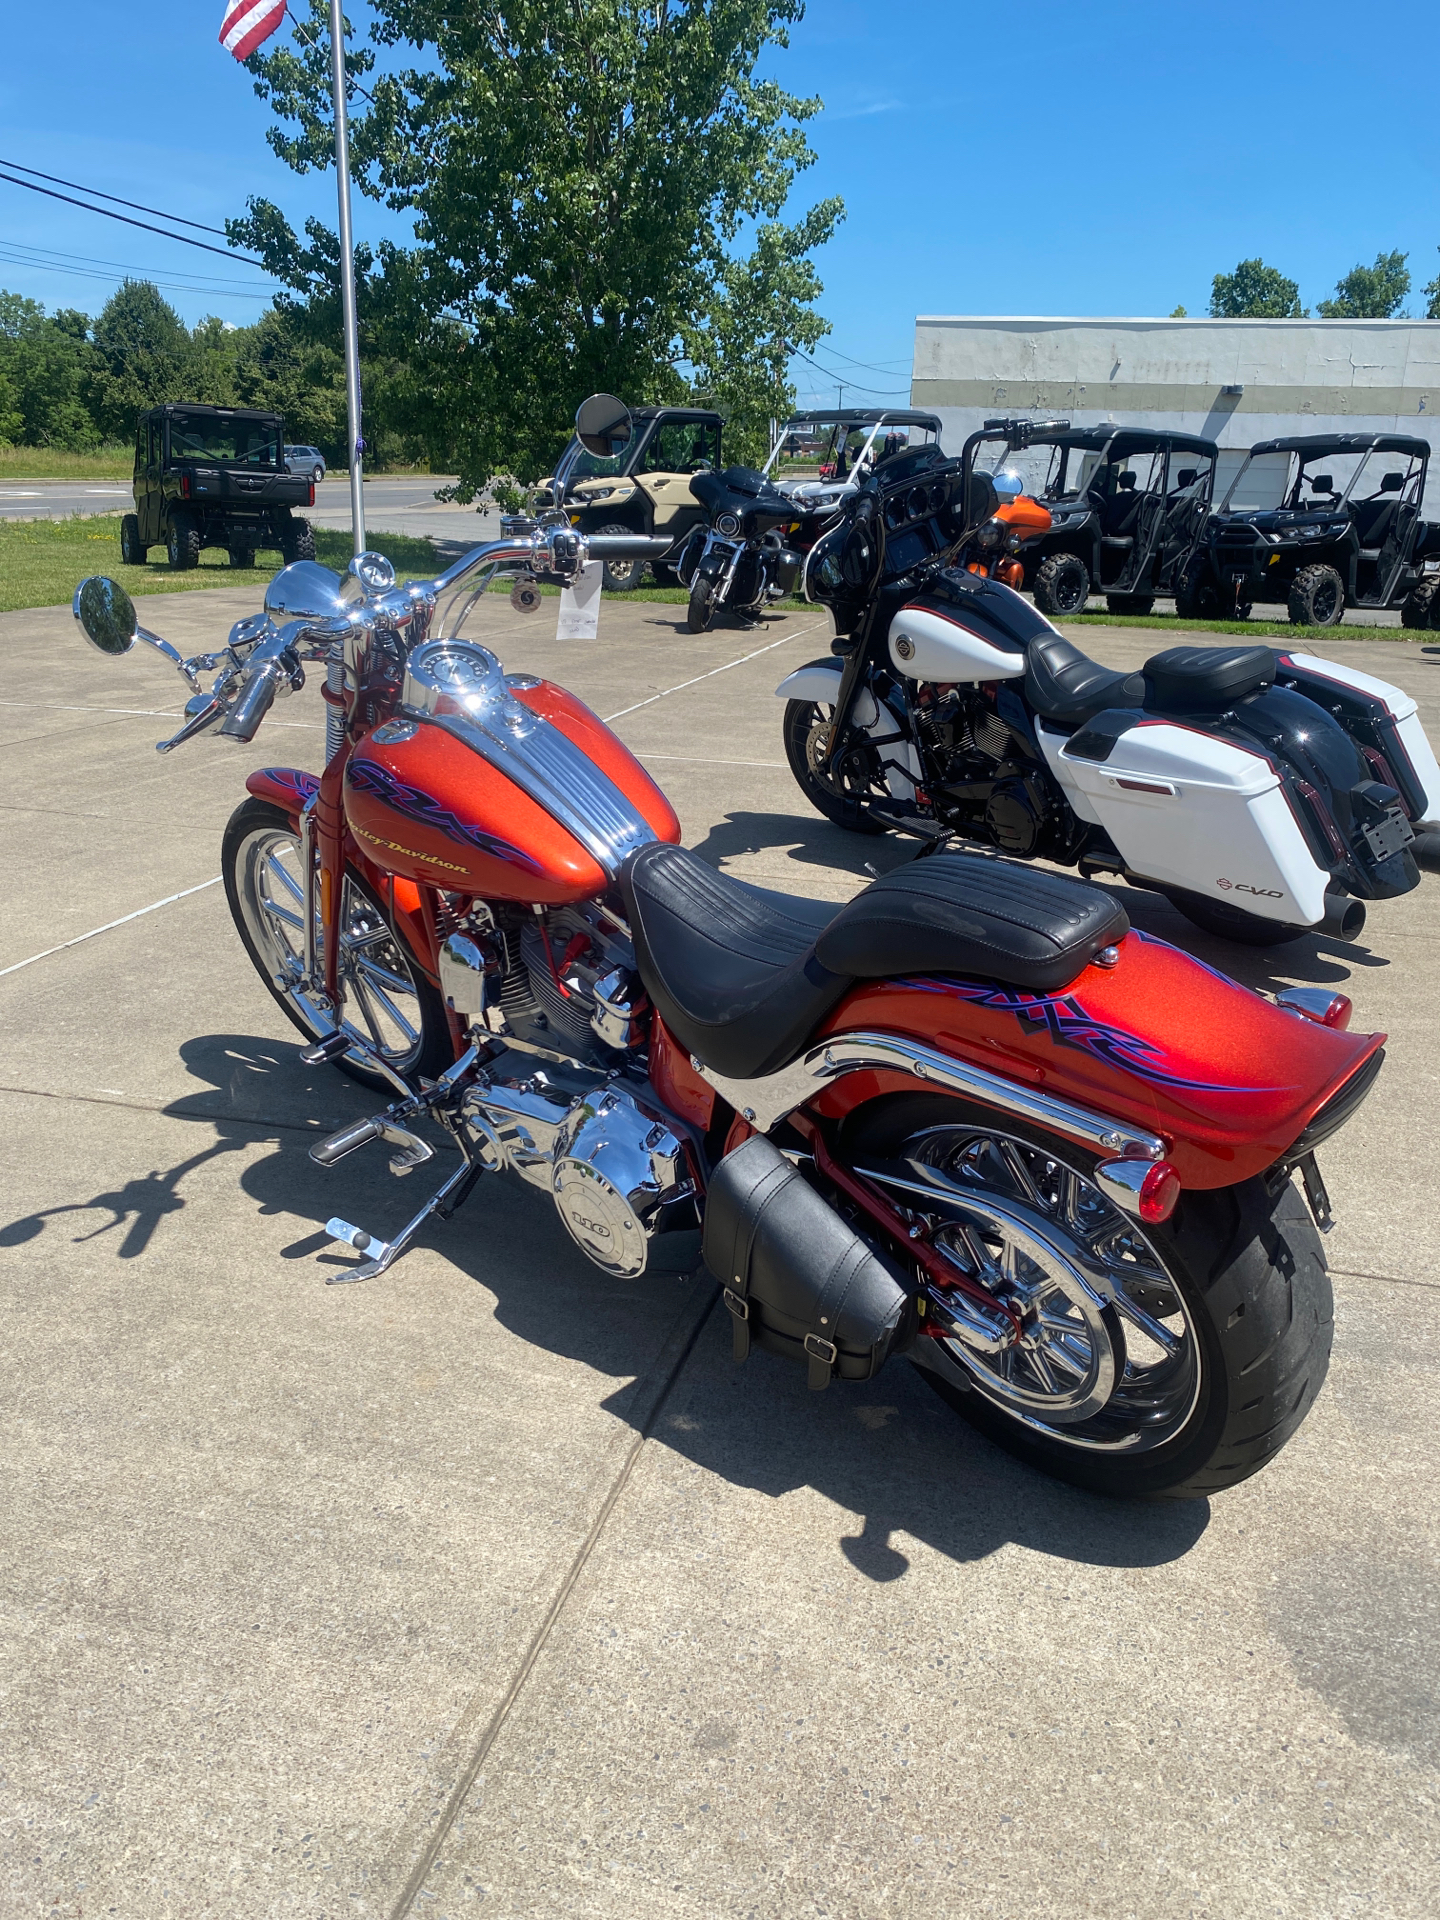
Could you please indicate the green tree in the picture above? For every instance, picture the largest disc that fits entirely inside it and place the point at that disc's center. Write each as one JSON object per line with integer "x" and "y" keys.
{"x": 1370, "y": 293}
{"x": 1431, "y": 291}
{"x": 145, "y": 355}
{"x": 46, "y": 367}
{"x": 581, "y": 174}
{"x": 1254, "y": 292}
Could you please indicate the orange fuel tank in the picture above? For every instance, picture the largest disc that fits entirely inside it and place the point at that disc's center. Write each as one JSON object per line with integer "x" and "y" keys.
{"x": 427, "y": 805}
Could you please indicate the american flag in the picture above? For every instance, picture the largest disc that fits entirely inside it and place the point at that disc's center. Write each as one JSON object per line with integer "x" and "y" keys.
{"x": 247, "y": 23}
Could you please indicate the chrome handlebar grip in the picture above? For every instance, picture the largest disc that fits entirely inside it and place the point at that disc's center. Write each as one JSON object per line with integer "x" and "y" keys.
{"x": 256, "y": 698}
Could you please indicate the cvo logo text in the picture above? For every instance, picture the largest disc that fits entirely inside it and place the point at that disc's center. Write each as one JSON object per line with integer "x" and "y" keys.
{"x": 1242, "y": 886}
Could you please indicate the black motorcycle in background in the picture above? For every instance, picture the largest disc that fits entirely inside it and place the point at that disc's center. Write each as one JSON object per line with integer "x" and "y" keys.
{"x": 742, "y": 559}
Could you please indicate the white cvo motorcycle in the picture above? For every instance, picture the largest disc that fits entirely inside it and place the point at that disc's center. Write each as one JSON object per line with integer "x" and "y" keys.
{"x": 1265, "y": 794}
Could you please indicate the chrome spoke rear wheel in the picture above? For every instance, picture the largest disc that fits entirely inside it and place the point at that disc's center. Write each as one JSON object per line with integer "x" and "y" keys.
{"x": 1109, "y": 1359}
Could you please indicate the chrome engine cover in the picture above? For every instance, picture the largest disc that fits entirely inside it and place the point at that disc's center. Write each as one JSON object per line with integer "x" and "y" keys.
{"x": 615, "y": 1170}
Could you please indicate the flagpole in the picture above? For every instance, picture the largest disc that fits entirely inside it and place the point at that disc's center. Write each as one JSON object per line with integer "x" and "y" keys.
{"x": 347, "y": 274}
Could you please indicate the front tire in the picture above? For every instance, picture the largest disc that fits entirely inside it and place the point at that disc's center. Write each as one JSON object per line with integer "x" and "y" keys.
{"x": 807, "y": 735}
{"x": 242, "y": 557}
{"x": 1195, "y": 595}
{"x": 621, "y": 576}
{"x": 132, "y": 554}
{"x": 1317, "y": 597}
{"x": 701, "y": 610}
{"x": 1130, "y": 602}
{"x": 1173, "y": 1361}
{"x": 1062, "y": 584}
{"x": 389, "y": 1002}
{"x": 1417, "y": 609}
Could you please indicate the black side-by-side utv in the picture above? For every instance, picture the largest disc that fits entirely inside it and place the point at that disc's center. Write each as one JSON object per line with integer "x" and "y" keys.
{"x": 1320, "y": 522}
{"x": 1127, "y": 507}
{"x": 214, "y": 477}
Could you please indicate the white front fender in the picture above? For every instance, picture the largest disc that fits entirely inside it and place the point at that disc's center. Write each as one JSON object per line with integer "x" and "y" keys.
{"x": 820, "y": 682}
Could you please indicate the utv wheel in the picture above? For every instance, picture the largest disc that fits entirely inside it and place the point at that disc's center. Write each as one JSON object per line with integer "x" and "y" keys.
{"x": 1195, "y": 596}
{"x": 297, "y": 542}
{"x": 701, "y": 610}
{"x": 1130, "y": 602}
{"x": 1417, "y": 609}
{"x": 1157, "y": 1362}
{"x": 807, "y": 737}
{"x": 621, "y": 576}
{"x": 389, "y": 1002}
{"x": 1317, "y": 597}
{"x": 132, "y": 554}
{"x": 1232, "y": 923}
{"x": 242, "y": 556}
{"x": 183, "y": 543}
{"x": 1062, "y": 584}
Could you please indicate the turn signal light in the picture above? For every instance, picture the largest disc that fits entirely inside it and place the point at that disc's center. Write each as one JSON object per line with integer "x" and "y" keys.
{"x": 1318, "y": 1004}
{"x": 1147, "y": 1188}
{"x": 312, "y": 490}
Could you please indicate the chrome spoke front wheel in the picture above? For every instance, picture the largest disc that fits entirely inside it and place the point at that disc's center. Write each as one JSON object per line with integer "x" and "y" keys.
{"x": 382, "y": 1004}
{"x": 1108, "y": 1357}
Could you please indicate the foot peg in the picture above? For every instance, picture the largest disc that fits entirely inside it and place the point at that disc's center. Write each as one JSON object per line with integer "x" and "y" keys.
{"x": 333, "y": 1047}
{"x": 411, "y": 1152}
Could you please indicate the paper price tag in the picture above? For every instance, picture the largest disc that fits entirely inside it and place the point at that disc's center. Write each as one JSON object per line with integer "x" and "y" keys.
{"x": 580, "y": 604}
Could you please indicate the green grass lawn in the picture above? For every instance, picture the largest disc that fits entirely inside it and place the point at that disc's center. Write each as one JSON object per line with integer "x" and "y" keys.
{"x": 1254, "y": 629}
{"x": 48, "y": 463}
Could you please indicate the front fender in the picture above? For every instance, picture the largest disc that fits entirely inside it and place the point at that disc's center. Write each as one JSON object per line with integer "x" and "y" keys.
{"x": 819, "y": 681}
{"x": 285, "y": 787}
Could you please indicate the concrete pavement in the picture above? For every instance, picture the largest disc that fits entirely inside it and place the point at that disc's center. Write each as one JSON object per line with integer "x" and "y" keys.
{"x": 492, "y": 1586}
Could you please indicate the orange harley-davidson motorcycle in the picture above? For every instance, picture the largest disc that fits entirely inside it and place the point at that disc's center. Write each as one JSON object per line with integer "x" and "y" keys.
{"x": 972, "y": 1116}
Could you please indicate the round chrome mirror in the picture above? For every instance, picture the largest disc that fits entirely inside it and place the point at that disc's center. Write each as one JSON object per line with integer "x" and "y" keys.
{"x": 306, "y": 591}
{"x": 1007, "y": 484}
{"x": 602, "y": 425}
{"x": 106, "y": 614}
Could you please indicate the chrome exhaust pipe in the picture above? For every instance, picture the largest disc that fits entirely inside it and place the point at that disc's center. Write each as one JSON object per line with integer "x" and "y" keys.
{"x": 1344, "y": 918}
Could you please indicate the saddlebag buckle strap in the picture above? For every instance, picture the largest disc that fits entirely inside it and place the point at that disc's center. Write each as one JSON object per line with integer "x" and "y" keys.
{"x": 822, "y": 1356}
{"x": 740, "y": 1308}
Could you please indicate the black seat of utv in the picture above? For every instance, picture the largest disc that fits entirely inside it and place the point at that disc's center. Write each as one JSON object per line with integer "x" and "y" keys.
{"x": 743, "y": 977}
{"x": 1183, "y": 679}
{"x": 1064, "y": 685}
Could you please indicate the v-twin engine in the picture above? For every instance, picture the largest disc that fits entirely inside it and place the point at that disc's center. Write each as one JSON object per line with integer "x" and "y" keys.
{"x": 619, "y": 1178}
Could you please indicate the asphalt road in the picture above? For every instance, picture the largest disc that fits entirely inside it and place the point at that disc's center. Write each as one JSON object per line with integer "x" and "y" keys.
{"x": 493, "y": 1586}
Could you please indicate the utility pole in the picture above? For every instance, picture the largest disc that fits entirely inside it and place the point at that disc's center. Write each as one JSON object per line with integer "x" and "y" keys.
{"x": 347, "y": 274}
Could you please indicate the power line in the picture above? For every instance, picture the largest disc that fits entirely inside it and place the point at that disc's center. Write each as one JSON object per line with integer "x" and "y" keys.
{"x": 183, "y": 238}
{"x": 891, "y": 366}
{"x": 136, "y": 206}
{"x": 877, "y": 393}
{"x": 93, "y": 273}
{"x": 210, "y": 282}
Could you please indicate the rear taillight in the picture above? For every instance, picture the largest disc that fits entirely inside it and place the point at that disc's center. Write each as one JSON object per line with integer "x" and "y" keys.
{"x": 311, "y": 501}
{"x": 184, "y": 486}
{"x": 1146, "y": 1188}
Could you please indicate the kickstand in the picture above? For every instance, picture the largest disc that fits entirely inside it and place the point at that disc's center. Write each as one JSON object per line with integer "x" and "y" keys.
{"x": 456, "y": 1190}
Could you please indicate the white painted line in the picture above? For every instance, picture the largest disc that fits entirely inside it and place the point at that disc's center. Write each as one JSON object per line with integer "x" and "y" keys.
{"x": 123, "y": 492}
{"x": 110, "y": 925}
{"x": 21, "y": 493}
{"x": 59, "y": 706}
{"x": 784, "y": 640}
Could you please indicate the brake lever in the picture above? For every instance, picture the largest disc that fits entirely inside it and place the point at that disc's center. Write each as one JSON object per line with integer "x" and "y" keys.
{"x": 205, "y": 716}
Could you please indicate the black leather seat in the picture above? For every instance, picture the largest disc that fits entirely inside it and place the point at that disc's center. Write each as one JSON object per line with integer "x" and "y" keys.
{"x": 742, "y": 977}
{"x": 1064, "y": 685}
{"x": 1185, "y": 679}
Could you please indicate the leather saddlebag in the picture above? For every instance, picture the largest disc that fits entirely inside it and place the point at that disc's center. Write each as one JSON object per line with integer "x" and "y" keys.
{"x": 798, "y": 1280}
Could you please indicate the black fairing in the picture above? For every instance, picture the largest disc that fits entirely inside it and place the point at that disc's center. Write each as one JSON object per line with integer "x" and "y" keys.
{"x": 747, "y": 494}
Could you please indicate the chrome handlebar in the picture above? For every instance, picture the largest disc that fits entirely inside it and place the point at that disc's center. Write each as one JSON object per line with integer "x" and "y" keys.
{"x": 262, "y": 660}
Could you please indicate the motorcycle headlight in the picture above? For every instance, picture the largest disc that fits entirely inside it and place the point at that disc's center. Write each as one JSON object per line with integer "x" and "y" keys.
{"x": 728, "y": 524}
{"x": 990, "y": 533}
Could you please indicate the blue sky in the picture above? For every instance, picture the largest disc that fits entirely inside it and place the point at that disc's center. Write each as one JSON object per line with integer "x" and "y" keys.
{"x": 1096, "y": 157}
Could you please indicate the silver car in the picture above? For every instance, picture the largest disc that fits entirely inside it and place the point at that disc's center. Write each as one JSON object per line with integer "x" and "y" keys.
{"x": 307, "y": 462}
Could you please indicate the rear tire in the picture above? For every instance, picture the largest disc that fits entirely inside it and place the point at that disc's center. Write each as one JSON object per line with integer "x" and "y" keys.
{"x": 297, "y": 541}
{"x": 806, "y": 729}
{"x": 389, "y": 1002}
{"x": 132, "y": 554}
{"x": 701, "y": 610}
{"x": 621, "y": 576}
{"x": 1236, "y": 1278}
{"x": 1232, "y": 923}
{"x": 1417, "y": 609}
{"x": 1062, "y": 584}
{"x": 1195, "y": 596}
{"x": 183, "y": 543}
{"x": 1130, "y": 602}
{"x": 1317, "y": 597}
